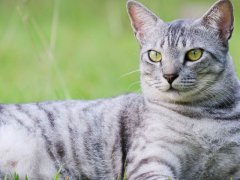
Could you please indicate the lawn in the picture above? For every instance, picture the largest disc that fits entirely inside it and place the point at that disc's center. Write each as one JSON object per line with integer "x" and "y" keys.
{"x": 78, "y": 49}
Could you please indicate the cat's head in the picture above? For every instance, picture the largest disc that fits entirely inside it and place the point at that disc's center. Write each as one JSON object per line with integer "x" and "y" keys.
{"x": 183, "y": 60}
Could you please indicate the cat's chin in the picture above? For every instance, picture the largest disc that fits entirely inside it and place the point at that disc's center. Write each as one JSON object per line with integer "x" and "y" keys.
{"x": 169, "y": 95}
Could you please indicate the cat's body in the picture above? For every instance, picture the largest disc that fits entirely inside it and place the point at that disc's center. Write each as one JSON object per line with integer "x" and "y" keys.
{"x": 185, "y": 125}
{"x": 182, "y": 142}
{"x": 188, "y": 141}
{"x": 83, "y": 139}
{"x": 190, "y": 126}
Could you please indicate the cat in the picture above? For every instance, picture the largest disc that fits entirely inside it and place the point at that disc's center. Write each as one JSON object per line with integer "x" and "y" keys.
{"x": 184, "y": 125}
{"x": 190, "y": 124}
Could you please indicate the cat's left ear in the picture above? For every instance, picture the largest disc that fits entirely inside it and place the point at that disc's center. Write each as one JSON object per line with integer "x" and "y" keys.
{"x": 142, "y": 19}
{"x": 220, "y": 17}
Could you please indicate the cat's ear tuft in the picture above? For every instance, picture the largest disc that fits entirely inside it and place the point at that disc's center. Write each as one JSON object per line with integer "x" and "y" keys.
{"x": 220, "y": 17}
{"x": 142, "y": 19}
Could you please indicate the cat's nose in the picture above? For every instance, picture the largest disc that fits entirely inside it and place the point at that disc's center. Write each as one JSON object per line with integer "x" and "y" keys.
{"x": 170, "y": 77}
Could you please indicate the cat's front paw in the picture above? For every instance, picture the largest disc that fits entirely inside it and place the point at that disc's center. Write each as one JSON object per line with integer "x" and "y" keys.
{"x": 236, "y": 176}
{"x": 147, "y": 176}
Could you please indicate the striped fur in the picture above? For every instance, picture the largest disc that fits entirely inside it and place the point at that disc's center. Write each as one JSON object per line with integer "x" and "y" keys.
{"x": 85, "y": 139}
{"x": 190, "y": 128}
{"x": 185, "y": 130}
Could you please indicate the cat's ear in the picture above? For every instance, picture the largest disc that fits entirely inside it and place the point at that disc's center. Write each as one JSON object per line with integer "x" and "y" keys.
{"x": 142, "y": 19}
{"x": 220, "y": 17}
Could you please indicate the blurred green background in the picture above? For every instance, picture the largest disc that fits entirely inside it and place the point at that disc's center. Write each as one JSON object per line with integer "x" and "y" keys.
{"x": 79, "y": 49}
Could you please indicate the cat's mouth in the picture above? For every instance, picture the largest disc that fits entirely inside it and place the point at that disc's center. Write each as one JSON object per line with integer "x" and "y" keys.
{"x": 172, "y": 89}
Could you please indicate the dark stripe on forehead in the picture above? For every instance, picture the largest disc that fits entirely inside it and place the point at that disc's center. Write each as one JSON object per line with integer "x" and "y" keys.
{"x": 162, "y": 43}
{"x": 181, "y": 33}
{"x": 184, "y": 42}
{"x": 176, "y": 30}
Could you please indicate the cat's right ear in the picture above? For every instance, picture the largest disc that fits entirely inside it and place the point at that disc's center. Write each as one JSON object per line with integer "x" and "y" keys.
{"x": 142, "y": 19}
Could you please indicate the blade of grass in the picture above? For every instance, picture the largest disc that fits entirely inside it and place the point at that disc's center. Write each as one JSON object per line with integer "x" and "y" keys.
{"x": 56, "y": 177}
{"x": 16, "y": 176}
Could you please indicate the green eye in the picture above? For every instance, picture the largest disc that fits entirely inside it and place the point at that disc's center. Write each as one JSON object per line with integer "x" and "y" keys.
{"x": 194, "y": 54}
{"x": 154, "y": 56}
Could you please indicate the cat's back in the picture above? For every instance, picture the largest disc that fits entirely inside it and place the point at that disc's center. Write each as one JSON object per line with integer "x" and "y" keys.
{"x": 52, "y": 112}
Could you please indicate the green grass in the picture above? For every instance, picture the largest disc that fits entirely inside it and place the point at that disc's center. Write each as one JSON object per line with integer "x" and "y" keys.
{"x": 15, "y": 176}
{"x": 76, "y": 49}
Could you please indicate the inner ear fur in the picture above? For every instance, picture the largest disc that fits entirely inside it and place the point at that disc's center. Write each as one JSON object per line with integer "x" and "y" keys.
{"x": 220, "y": 17}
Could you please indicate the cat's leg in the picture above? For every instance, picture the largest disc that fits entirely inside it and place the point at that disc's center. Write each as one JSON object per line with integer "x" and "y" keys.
{"x": 236, "y": 176}
{"x": 152, "y": 162}
{"x": 156, "y": 169}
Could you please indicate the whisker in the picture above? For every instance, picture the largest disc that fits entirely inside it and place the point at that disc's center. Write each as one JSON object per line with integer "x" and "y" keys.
{"x": 129, "y": 73}
{"x": 156, "y": 83}
{"x": 133, "y": 84}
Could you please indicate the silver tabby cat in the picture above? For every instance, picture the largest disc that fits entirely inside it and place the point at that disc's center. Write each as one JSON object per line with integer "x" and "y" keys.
{"x": 185, "y": 125}
{"x": 190, "y": 125}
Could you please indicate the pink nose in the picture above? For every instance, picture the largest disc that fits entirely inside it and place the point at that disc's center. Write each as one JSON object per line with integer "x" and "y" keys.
{"x": 170, "y": 77}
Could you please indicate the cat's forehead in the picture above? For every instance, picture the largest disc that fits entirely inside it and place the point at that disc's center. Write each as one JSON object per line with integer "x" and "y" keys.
{"x": 169, "y": 34}
{"x": 183, "y": 33}
{"x": 179, "y": 23}
{"x": 176, "y": 29}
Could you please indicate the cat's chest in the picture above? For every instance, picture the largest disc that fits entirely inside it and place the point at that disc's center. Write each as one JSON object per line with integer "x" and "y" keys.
{"x": 201, "y": 144}
{"x": 201, "y": 130}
